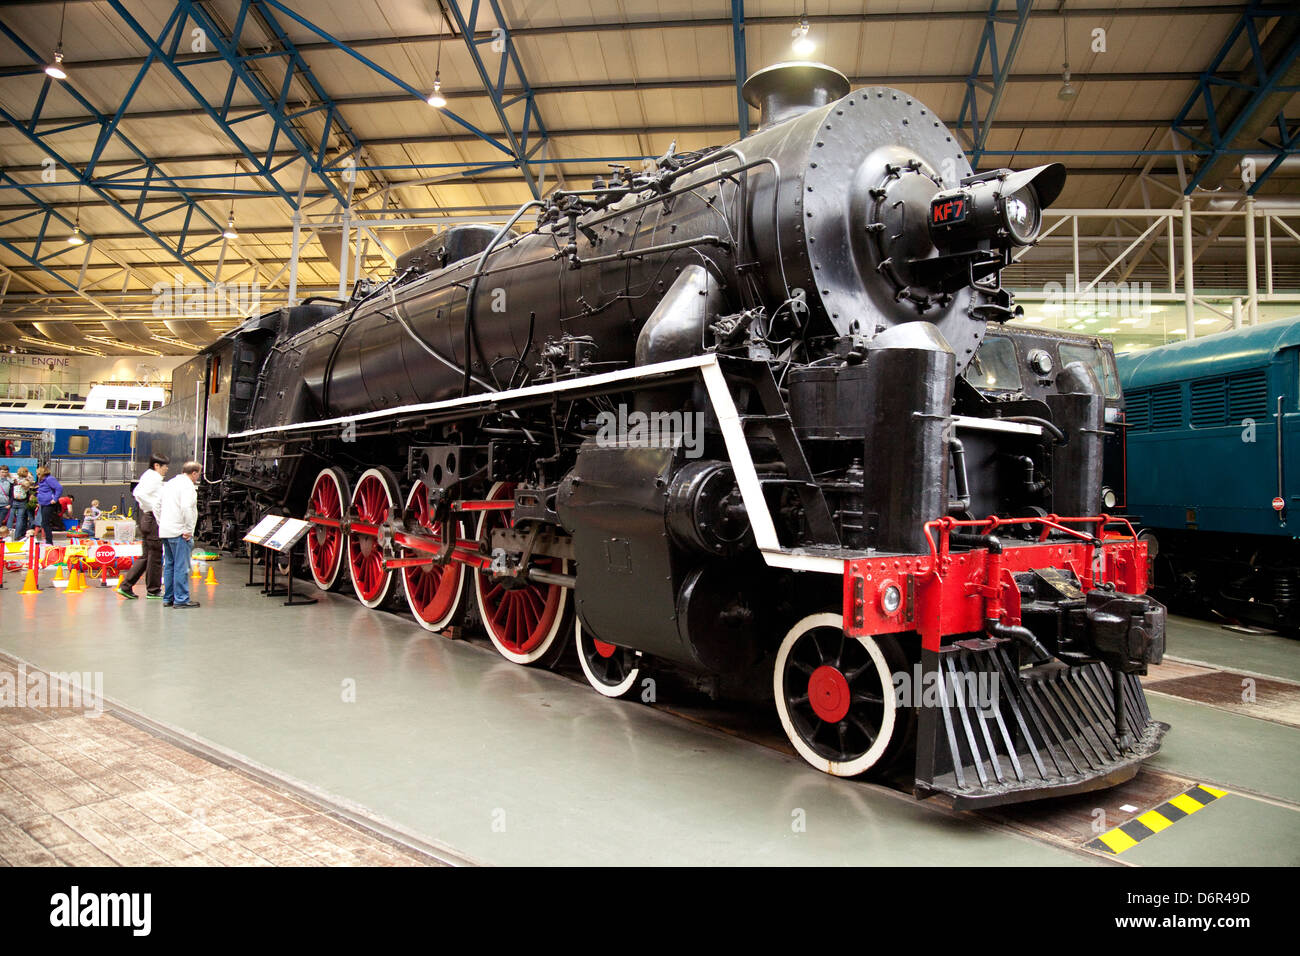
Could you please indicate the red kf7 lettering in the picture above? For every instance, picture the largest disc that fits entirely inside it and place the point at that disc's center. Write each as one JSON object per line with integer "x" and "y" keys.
{"x": 949, "y": 211}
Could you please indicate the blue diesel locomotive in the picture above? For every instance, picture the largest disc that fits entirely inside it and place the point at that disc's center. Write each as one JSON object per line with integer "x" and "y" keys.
{"x": 1213, "y": 432}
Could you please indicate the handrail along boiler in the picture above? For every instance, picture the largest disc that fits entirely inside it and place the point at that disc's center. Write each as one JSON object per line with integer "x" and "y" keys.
{"x": 713, "y": 416}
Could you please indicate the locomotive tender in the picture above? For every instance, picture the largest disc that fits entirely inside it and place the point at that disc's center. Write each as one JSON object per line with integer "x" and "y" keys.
{"x": 715, "y": 416}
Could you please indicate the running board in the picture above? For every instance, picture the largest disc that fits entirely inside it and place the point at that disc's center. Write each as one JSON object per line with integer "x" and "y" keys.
{"x": 991, "y": 734}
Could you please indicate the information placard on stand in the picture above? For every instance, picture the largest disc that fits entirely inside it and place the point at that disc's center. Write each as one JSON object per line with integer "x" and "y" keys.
{"x": 256, "y": 536}
{"x": 264, "y": 529}
{"x": 287, "y": 534}
{"x": 277, "y": 534}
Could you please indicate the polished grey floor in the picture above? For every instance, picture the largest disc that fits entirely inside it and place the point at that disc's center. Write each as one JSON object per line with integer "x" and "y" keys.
{"x": 507, "y": 765}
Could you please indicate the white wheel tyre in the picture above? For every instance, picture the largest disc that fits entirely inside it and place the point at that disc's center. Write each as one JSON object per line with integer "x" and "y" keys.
{"x": 817, "y": 706}
{"x": 620, "y": 685}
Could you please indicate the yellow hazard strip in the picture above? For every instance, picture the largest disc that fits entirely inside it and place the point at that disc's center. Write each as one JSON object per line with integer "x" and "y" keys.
{"x": 1128, "y": 835}
{"x": 1117, "y": 841}
{"x": 1186, "y": 804}
{"x": 1154, "y": 822}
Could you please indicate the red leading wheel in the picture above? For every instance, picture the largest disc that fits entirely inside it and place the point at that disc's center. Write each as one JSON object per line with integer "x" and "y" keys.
{"x": 325, "y": 543}
{"x": 434, "y": 593}
{"x": 373, "y": 501}
{"x": 525, "y": 622}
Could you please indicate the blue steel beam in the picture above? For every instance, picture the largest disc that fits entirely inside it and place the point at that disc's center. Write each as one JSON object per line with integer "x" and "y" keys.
{"x": 999, "y": 67}
{"x": 50, "y": 215}
{"x": 742, "y": 69}
{"x": 228, "y": 47}
{"x": 163, "y": 47}
{"x": 1218, "y": 139}
{"x": 1288, "y": 142}
{"x": 220, "y": 117}
{"x": 34, "y": 257}
{"x": 375, "y": 67}
{"x": 531, "y": 123}
{"x": 109, "y": 129}
{"x": 323, "y": 102}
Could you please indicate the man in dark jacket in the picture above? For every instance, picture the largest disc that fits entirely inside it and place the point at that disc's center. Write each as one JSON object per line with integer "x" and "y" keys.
{"x": 148, "y": 495}
{"x": 48, "y": 493}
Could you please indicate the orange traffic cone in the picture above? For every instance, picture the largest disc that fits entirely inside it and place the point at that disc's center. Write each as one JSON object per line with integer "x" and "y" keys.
{"x": 75, "y": 585}
{"x": 212, "y": 576}
{"x": 197, "y": 572}
{"x": 30, "y": 586}
{"x": 59, "y": 574}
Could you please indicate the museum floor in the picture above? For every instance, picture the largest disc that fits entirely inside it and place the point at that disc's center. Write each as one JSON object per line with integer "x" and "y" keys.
{"x": 415, "y": 748}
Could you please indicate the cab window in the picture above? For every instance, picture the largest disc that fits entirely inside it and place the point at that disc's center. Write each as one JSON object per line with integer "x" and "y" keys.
{"x": 1096, "y": 359}
{"x": 995, "y": 365}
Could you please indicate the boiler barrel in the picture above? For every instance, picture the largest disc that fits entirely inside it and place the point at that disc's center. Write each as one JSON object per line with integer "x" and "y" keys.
{"x": 527, "y": 296}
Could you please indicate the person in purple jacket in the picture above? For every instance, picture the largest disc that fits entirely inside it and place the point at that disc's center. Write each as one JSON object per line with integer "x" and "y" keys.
{"x": 48, "y": 493}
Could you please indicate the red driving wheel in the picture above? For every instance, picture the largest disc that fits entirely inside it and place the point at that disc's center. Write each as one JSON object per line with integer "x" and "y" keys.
{"x": 373, "y": 500}
{"x": 325, "y": 542}
{"x": 433, "y": 592}
{"x": 525, "y": 621}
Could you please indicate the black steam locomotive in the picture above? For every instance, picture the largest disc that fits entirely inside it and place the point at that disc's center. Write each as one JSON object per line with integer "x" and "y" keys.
{"x": 728, "y": 415}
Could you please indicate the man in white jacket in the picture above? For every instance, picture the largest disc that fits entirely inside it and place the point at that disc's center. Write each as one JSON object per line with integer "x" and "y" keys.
{"x": 177, "y": 516}
{"x": 148, "y": 497}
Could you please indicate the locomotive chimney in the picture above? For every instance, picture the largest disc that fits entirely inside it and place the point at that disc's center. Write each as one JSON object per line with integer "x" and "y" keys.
{"x": 786, "y": 90}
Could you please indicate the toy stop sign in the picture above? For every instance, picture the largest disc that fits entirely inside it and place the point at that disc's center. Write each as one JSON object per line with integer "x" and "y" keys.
{"x": 105, "y": 554}
{"x": 1278, "y": 504}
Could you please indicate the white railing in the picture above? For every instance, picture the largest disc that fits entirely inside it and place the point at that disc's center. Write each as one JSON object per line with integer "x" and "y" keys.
{"x": 1174, "y": 232}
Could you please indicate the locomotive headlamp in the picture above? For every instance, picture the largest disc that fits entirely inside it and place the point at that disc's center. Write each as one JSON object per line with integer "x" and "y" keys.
{"x": 891, "y": 598}
{"x": 1003, "y": 207}
{"x": 1023, "y": 216}
{"x": 1108, "y": 498}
